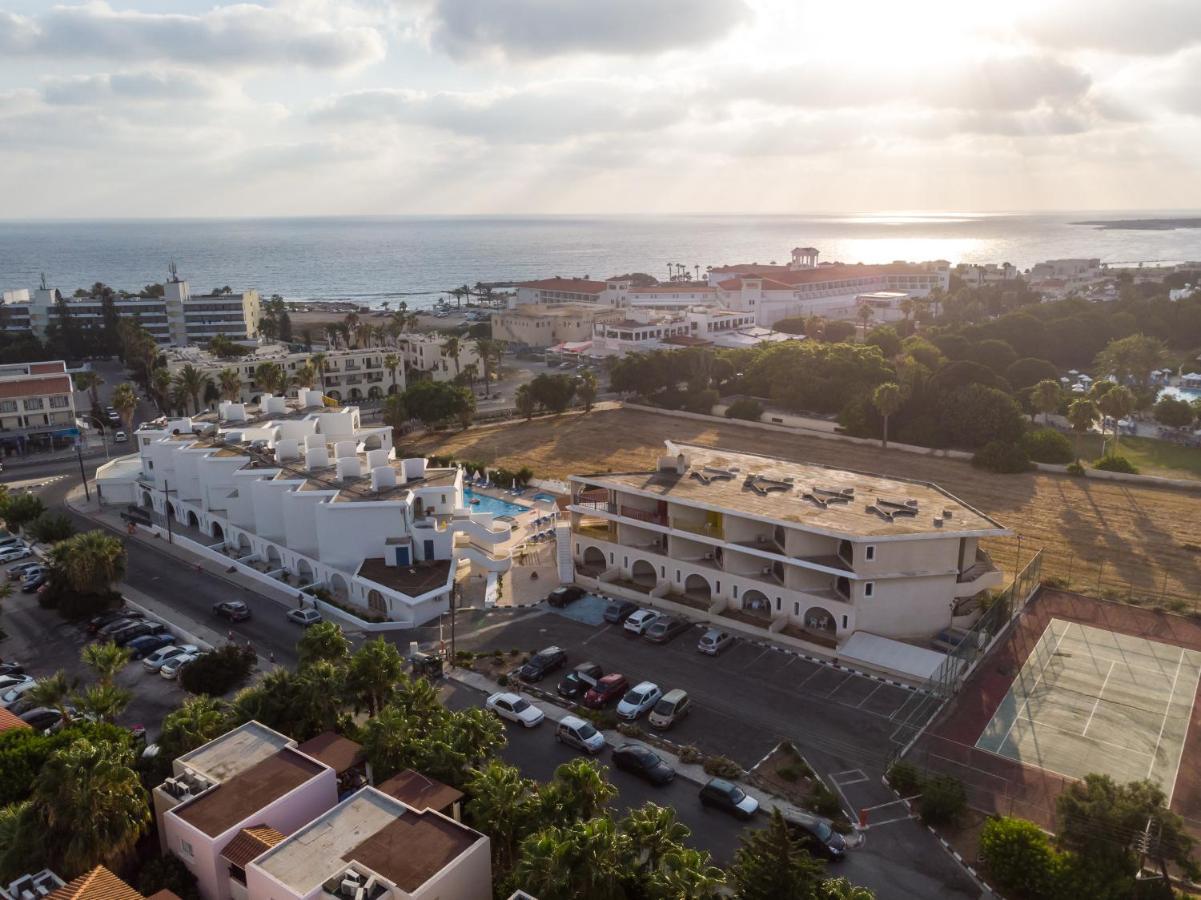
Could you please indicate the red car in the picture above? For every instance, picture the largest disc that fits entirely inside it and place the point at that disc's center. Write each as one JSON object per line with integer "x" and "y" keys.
{"x": 608, "y": 690}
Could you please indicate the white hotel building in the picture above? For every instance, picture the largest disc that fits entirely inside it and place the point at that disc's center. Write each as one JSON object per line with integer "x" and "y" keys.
{"x": 799, "y": 550}
{"x": 303, "y": 494}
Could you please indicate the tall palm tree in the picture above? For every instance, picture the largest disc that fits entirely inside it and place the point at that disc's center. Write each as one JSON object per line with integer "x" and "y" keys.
{"x": 501, "y": 808}
{"x": 89, "y": 562}
{"x": 887, "y": 399}
{"x": 89, "y": 381}
{"x": 1081, "y": 415}
{"x": 392, "y": 363}
{"x": 190, "y": 381}
{"x": 270, "y": 377}
{"x": 322, "y": 689}
{"x": 580, "y": 789}
{"x": 484, "y": 349}
{"x": 372, "y": 674}
{"x": 54, "y": 692}
{"x": 160, "y": 388}
{"x": 452, "y": 347}
{"x": 230, "y": 384}
{"x": 654, "y": 831}
{"x": 1117, "y": 404}
{"x": 471, "y": 372}
{"x": 103, "y": 702}
{"x": 106, "y": 659}
{"x": 125, "y": 402}
{"x": 865, "y": 314}
{"x": 93, "y": 806}
{"x": 687, "y": 874}
{"x": 306, "y": 376}
{"x": 332, "y": 332}
{"x": 1045, "y": 397}
{"x": 317, "y": 360}
{"x": 198, "y": 720}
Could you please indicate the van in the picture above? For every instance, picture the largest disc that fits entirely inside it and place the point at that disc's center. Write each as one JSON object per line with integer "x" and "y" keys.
{"x": 575, "y": 732}
{"x": 673, "y": 706}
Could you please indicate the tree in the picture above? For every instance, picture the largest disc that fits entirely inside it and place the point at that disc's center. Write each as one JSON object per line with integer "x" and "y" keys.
{"x": 885, "y": 337}
{"x": 270, "y": 377}
{"x": 583, "y": 859}
{"x": 771, "y": 864}
{"x": 392, "y": 363}
{"x": 50, "y": 528}
{"x": 372, "y": 673}
{"x": 1019, "y": 856}
{"x": 887, "y": 399}
{"x": 1028, "y": 372}
{"x": 160, "y": 389}
{"x": 323, "y": 641}
{"x": 435, "y": 402}
{"x": 89, "y": 381}
{"x": 1081, "y": 416}
{"x": 485, "y": 349}
{"x": 89, "y": 563}
{"x": 198, "y": 720}
{"x": 1174, "y": 412}
{"x": 1116, "y": 404}
{"x": 524, "y": 400}
{"x": 1132, "y": 358}
{"x": 837, "y": 331}
{"x": 306, "y": 376}
{"x": 577, "y": 791}
{"x": 452, "y": 347}
{"x": 53, "y": 692}
{"x": 1045, "y": 397}
{"x": 103, "y": 702}
{"x": 230, "y": 383}
{"x": 554, "y": 392}
{"x": 125, "y": 402}
{"x": 587, "y": 389}
{"x": 864, "y": 314}
{"x": 975, "y": 415}
{"x": 394, "y": 413}
{"x": 106, "y": 659}
{"x": 190, "y": 381}
{"x": 994, "y": 354}
{"x": 317, "y": 360}
{"x": 504, "y": 805}
{"x": 23, "y": 509}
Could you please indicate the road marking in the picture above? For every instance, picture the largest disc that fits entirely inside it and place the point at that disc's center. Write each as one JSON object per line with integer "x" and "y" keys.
{"x": 1168, "y": 709}
{"x": 757, "y": 658}
{"x": 1023, "y": 710}
{"x": 869, "y": 696}
{"x": 1097, "y": 702}
{"x": 606, "y": 627}
{"x": 840, "y": 684}
{"x": 817, "y": 671}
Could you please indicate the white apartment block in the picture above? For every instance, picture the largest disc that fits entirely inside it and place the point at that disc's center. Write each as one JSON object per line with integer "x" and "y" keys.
{"x": 800, "y": 550}
{"x": 304, "y": 494}
{"x": 424, "y": 356}
{"x": 178, "y": 318}
{"x": 255, "y": 816}
{"x": 37, "y": 406}
{"x": 647, "y": 329}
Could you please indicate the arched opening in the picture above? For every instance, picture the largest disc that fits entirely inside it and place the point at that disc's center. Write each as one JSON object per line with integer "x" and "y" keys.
{"x": 218, "y": 532}
{"x": 697, "y": 588}
{"x": 193, "y": 521}
{"x": 757, "y": 602}
{"x": 643, "y": 574}
{"x": 274, "y": 560}
{"x": 373, "y": 442}
{"x": 170, "y": 510}
{"x": 356, "y": 394}
{"x": 336, "y": 396}
{"x": 376, "y": 601}
{"x": 392, "y": 388}
{"x": 374, "y": 393}
{"x": 594, "y": 562}
{"x": 843, "y": 587}
{"x": 818, "y": 619}
{"x": 339, "y": 587}
{"x": 244, "y": 545}
{"x": 147, "y": 500}
{"x": 304, "y": 572}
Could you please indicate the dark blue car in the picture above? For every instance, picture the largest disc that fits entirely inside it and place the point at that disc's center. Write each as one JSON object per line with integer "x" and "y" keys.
{"x": 148, "y": 643}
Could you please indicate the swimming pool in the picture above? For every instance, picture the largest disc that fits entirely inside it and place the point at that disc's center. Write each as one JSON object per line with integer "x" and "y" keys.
{"x": 543, "y": 495}
{"x": 1180, "y": 393}
{"x": 492, "y": 505}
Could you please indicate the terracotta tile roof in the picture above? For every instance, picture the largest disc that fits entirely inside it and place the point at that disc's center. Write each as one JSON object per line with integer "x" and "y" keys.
{"x": 769, "y": 284}
{"x": 98, "y": 884}
{"x": 579, "y": 285}
{"x": 43, "y": 368}
{"x": 35, "y": 387}
{"x": 8, "y": 721}
{"x": 164, "y": 894}
{"x": 249, "y": 843}
{"x": 420, "y": 791}
{"x": 337, "y": 752}
{"x": 787, "y": 276}
{"x": 678, "y": 288}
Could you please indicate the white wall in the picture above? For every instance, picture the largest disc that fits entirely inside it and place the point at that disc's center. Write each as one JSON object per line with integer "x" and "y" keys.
{"x": 348, "y": 533}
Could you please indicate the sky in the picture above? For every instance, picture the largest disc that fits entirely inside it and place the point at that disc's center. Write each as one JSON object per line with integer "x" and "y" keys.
{"x": 179, "y": 108}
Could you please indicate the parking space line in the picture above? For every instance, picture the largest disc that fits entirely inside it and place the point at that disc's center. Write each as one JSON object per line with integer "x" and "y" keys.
{"x": 601, "y": 631}
{"x": 817, "y": 671}
{"x": 869, "y": 696}
{"x": 757, "y": 658}
{"x": 840, "y": 684}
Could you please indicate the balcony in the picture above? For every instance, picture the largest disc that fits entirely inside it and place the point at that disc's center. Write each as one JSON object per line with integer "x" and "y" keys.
{"x": 598, "y": 530}
{"x": 642, "y": 515}
{"x": 352, "y": 366}
{"x": 705, "y": 529}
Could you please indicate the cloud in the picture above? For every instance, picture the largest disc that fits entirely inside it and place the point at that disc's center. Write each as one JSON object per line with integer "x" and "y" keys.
{"x": 245, "y": 35}
{"x": 1118, "y": 26}
{"x": 136, "y": 87}
{"x": 532, "y": 29}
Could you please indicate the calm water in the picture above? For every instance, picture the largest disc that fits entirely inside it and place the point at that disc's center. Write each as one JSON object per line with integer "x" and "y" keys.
{"x": 414, "y": 258}
{"x": 493, "y": 505}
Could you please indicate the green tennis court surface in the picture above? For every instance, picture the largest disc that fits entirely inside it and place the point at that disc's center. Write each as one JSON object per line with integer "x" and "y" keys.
{"x": 1089, "y": 700}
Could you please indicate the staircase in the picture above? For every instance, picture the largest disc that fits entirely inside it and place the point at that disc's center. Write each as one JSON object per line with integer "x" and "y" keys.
{"x": 563, "y": 553}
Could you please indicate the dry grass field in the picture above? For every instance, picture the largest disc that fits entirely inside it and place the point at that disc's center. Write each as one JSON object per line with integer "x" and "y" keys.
{"x": 1123, "y": 541}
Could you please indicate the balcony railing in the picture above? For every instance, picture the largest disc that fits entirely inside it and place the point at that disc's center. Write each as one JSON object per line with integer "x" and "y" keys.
{"x": 643, "y": 515}
{"x": 708, "y": 529}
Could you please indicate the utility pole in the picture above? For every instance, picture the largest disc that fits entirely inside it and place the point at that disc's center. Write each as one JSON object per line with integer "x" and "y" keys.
{"x": 453, "y": 593}
{"x": 82, "y": 472}
{"x": 167, "y": 513}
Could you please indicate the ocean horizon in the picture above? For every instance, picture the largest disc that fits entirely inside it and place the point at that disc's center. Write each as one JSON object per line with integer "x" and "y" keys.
{"x": 373, "y": 259}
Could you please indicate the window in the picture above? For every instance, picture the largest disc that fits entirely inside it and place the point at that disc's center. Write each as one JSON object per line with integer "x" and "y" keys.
{"x": 59, "y": 402}
{"x": 35, "y": 403}
{"x": 869, "y": 552}
{"x": 869, "y": 588}
{"x": 844, "y": 621}
{"x": 186, "y": 849}
{"x": 8, "y": 405}
{"x": 777, "y": 604}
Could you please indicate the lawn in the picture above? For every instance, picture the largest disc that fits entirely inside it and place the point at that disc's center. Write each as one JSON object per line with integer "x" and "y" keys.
{"x": 1149, "y": 456}
{"x": 1113, "y": 538}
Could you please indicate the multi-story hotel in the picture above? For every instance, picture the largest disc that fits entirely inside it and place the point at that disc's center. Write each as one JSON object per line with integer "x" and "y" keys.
{"x": 807, "y": 551}
{"x": 303, "y": 494}
{"x": 642, "y": 330}
{"x": 37, "y": 405}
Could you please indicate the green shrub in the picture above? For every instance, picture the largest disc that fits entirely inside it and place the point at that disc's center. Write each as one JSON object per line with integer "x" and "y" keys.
{"x": 1004, "y": 458}
{"x": 690, "y": 754}
{"x": 745, "y": 408}
{"x": 1019, "y": 856}
{"x": 1112, "y": 463}
{"x": 722, "y": 767}
{"x": 1074, "y": 468}
{"x": 167, "y": 873}
{"x": 943, "y": 800}
{"x": 1046, "y": 445}
{"x": 789, "y": 772}
{"x": 701, "y": 401}
{"x": 218, "y": 672}
{"x": 824, "y": 801}
{"x": 629, "y": 729}
{"x": 905, "y": 778}
{"x": 503, "y": 680}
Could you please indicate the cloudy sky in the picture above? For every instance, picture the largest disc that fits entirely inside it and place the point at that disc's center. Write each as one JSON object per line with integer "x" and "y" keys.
{"x": 283, "y": 107}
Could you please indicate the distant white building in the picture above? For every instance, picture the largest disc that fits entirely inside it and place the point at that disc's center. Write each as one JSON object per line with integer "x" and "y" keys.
{"x": 978, "y": 275}
{"x": 646, "y": 329}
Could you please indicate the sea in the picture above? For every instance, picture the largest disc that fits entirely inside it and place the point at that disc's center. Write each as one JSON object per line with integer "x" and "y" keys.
{"x": 373, "y": 260}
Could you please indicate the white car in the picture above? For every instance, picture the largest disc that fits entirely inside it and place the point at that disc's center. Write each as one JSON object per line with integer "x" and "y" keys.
{"x": 120, "y": 437}
{"x": 515, "y": 709}
{"x": 640, "y": 621}
{"x": 22, "y": 571}
{"x": 156, "y": 660}
{"x": 12, "y": 554}
{"x": 171, "y": 668}
{"x": 16, "y": 692}
{"x": 9, "y": 681}
{"x": 304, "y": 617}
{"x": 638, "y": 699}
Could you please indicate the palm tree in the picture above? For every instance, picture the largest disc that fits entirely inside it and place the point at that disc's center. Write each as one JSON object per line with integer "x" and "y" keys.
{"x": 306, "y": 376}
{"x": 451, "y": 347}
{"x": 1081, "y": 415}
{"x": 655, "y": 831}
{"x": 198, "y": 720}
{"x": 1117, "y": 404}
{"x": 392, "y": 363}
{"x": 350, "y": 326}
{"x": 104, "y": 701}
{"x": 501, "y": 808}
{"x": 906, "y": 306}
{"x": 54, "y": 692}
{"x": 323, "y": 641}
{"x": 524, "y": 400}
{"x": 125, "y": 402}
{"x": 106, "y": 660}
{"x": 484, "y": 349}
{"x": 270, "y": 377}
{"x": 687, "y": 874}
{"x": 580, "y": 789}
{"x": 372, "y": 674}
{"x": 317, "y": 360}
{"x": 190, "y": 381}
{"x": 230, "y": 383}
{"x": 160, "y": 388}
{"x": 322, "y": 687}
{"x": 332, "y": 332}
{"x": 89, "y": 563}
{"x": 887, "y": 399}
{"x": 471, "y": 372}
{"x": 395, "y": 415}
{"x": 1045, "y": 397}
{"x": 865, "y": 314}
{"x": 587, "y": 390}
{"x": 89, "y": 381}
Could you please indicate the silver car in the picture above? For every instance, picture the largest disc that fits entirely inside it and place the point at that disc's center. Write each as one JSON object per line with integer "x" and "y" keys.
{"x": 159, "y": 658}
{"x": 714, "y": 641}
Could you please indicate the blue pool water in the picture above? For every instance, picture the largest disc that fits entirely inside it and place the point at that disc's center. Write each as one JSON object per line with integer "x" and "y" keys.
{"x": 492, "y": 504}
{"x": 543, "y": 495}
{"x": 1181, "y": 393}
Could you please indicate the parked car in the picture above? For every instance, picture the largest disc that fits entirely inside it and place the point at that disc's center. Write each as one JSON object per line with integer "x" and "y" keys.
{"x": 13, "y": 695}
{"x": 120, "y": 437}
{"x": 100, "y": 621}
{"x": 609, "y": 689}
{"x": 818, "y": 836}
{"x": 638, "y": 699}
{"x": 149, "y": 643}
{"x": 664, "y": 628}
{"x": 562, "y": 596}
{"x": 638, "y": 622}
{"x": 671, "y": 708}
{"x": 715, "y": 642}
{"x": 9, "y": 541}
{"x": 619, "y": 610}
{"x": 304, "y": 617}
{"x": 137, "y": 630}
{"x": 42, "y": 718}
{"x": 11, "y": 668}
{"x": 171, "y": 668}
{"x": 727, "y": 796}
{"x": 156, "y": 660}
{"x": 542, "y": 663}
{"x": 121, "y": 622}
{"x": 576, "y": 683}
{"x": 515, "y": 709}
{"x": 234, "y": 610}
{"x": 575, "y": 732}
{"x": 17, "y": 572}
{"x": 643, "y": 762}
{"x": 38, "y": 578}
{"x": 12, "y": 554}
{"x": 7, "y": 681}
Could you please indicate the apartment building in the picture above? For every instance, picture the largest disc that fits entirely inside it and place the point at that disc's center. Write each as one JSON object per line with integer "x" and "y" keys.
{"x": 304, "y": 494}
{"x": 539, "y": 325}
{"x": 807, "y": 551}
{"x": 642, "y": 330}
{"x": 255, "y": 816}
{"x": 425, "y": 355}
{"x": 565, "y": 292}
{"x": 37, "y": 406}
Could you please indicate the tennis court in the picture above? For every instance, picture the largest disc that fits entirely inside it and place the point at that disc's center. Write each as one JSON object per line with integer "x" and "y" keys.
{"x": 1092, "y": 700}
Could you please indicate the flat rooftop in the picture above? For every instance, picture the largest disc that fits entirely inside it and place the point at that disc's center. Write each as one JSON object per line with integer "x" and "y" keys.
{"x": 377, "y": 832}
{"x": 241, "y": 797}
{"x": 412, "y": 580}
{"x": 819, "y": 498}
{"x": 420, "y": 791}
{"x": 235, "y": 751}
